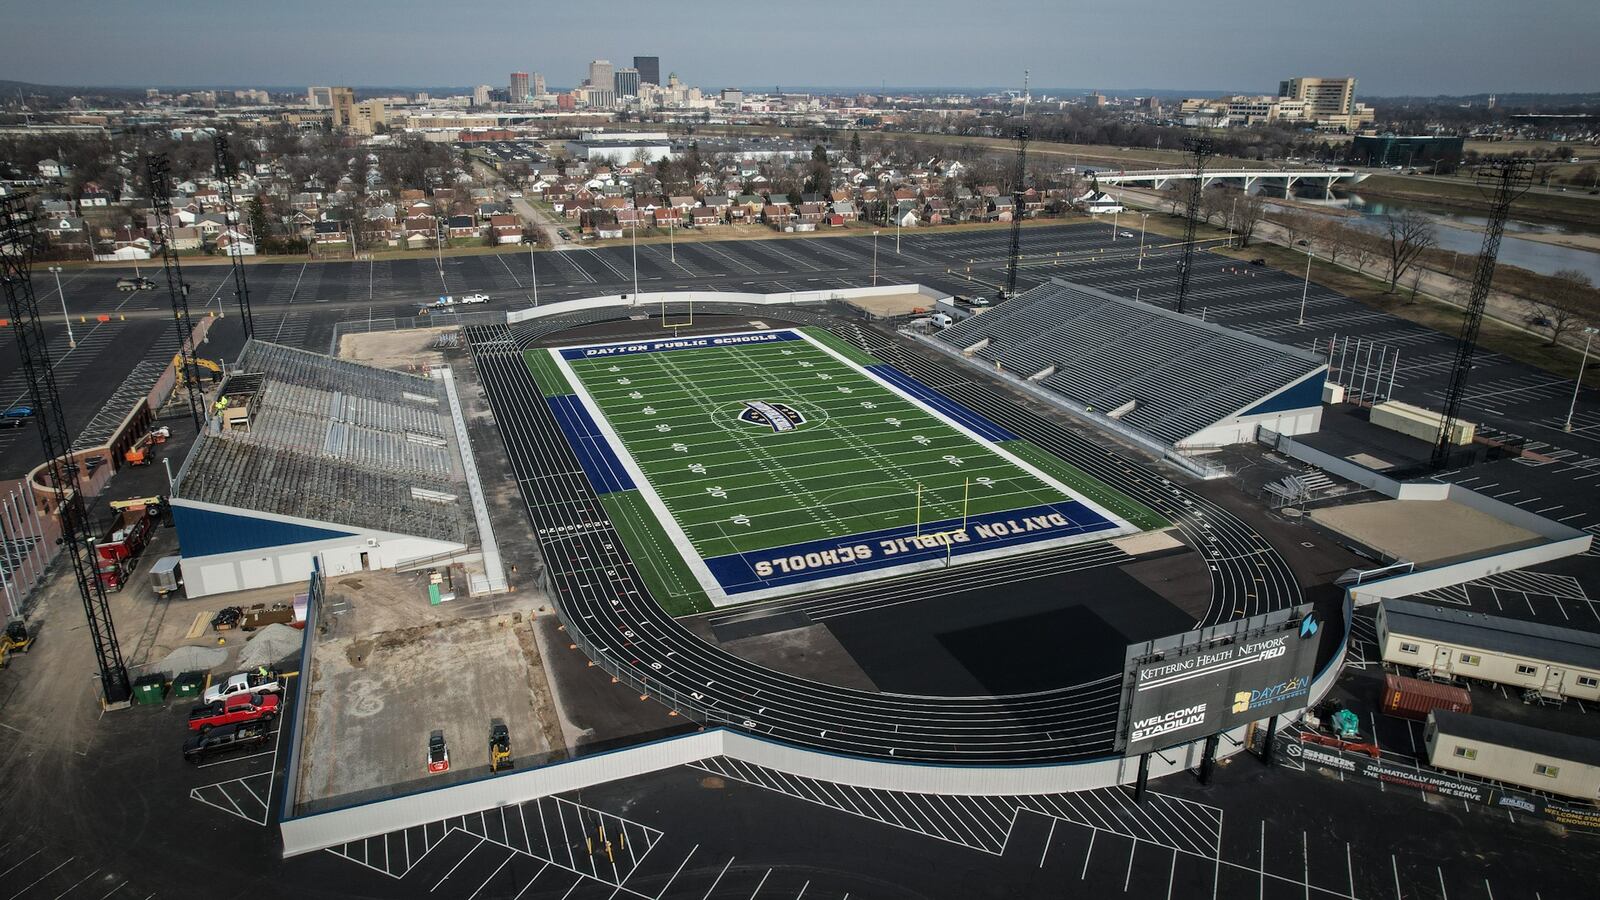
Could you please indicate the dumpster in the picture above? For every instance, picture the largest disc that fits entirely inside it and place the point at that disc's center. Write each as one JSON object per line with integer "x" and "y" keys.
{"x": 189, "y": 684}
{"x": 150, "y": 690}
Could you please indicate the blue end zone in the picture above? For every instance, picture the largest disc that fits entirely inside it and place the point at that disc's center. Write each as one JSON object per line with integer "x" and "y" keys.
{"x": 986, "y": 429}
{"x": 594, "y": 452}
{"x": 832, "y": 557}
{"x": 690, "y": 343}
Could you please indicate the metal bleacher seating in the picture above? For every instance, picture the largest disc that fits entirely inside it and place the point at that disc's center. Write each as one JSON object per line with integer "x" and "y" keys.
{"x": 1105, "y": 352}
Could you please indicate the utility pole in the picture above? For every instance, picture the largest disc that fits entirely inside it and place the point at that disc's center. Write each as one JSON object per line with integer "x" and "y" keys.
{"x": 533, "y": 270}
{"x": 18, "y": 242}
{"x": 1144, "y": 219}
{"x": 1508, "y": 179}
{"x": 1201, "y": 148}
{"x": 874, "y": 257}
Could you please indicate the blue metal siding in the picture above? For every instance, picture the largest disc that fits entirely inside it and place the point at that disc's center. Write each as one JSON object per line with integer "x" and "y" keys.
{"x": 204, "y": 532}
{"x": 1307, "y": 394}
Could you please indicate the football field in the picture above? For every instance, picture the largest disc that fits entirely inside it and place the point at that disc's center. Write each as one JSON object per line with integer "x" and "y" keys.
{"x": 779, "y": 461}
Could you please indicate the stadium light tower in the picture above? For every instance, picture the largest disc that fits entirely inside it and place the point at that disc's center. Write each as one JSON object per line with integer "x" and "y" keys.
{"x": 72, "y": 342}
{"x": 874, "y": 257}
{"x": 533, "y": 270}
{"x": 1305, "y": 287}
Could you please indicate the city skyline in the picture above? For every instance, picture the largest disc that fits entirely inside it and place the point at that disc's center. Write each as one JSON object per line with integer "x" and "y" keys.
{"x": 1414, "y": 53}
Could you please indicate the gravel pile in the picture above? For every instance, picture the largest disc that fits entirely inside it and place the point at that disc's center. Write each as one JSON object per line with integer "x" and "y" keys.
{"x": 270, "y": 646}
{"x": 190, "y": 659}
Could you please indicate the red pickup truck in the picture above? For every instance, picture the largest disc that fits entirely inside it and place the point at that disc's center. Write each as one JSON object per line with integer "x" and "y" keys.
{"x": 235, "y": 709}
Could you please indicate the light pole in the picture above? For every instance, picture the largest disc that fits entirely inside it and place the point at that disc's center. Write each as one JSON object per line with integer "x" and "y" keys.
{"x": 1588, "y": 335}
{"x": 1115, "y": 213}
{"x": 672, "y": 246}
{"x": 897, "y": 231}
{"x": 1144, "y": 219}
{"x": 874, "y": 257}
{"x": 635, "y": 236}
{"x": 1306, "y": 287}
{"x": 71, "y": 341}
{"x": 533, "y": 270}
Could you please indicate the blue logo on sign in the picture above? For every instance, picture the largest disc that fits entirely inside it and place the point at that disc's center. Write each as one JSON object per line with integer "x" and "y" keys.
{"x": 1309, "y": 626}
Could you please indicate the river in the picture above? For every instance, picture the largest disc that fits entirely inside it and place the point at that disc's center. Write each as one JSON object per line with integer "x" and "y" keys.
{"x": 1460, "y": 232}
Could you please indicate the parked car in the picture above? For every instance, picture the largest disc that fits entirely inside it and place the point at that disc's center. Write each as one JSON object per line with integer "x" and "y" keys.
{"x": 1258, "y": 262}
{"x": 1126, "y": 234}
{"x": 226, "y": 740}
{"x": 475, "y": 298}
{"x": 244, "y": 683}
{"x": 19, "y": 412}
{"x": 232, "y": 711}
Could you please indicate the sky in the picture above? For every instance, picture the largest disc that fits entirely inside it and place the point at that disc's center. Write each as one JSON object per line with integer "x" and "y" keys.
{"x": 1419, "y": 48}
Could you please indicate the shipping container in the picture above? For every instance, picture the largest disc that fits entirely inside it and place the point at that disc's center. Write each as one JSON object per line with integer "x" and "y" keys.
{"x": 1411, "y": 698}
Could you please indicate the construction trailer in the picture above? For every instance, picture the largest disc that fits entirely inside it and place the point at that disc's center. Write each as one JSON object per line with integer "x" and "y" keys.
{"x": 1544, "y": 661}
{"x": 1548, "y": 761}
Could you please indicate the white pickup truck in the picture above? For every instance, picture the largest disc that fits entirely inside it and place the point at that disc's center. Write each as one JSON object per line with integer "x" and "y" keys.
{"x": 243, "y": 683}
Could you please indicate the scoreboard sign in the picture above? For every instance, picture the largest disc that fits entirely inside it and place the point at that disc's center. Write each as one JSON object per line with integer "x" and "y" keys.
{"x": 1190, "y": 686}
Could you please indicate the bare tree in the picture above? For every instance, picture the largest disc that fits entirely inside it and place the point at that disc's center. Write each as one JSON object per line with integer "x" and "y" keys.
{"x": 1405, "y": 238}
{"x": 1297, "y": 226}
{"x": 1174, "y": 196}
{"x": 1248, "y": 214}
{"x": 1334, "y": 237}
{"x": 1568, "y": 301}
{"x": 1364, "y": 247}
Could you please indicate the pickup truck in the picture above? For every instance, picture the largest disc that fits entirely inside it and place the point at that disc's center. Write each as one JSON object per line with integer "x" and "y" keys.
{"x": 243, "y": 683}
{"x": 475, "y": 298}
{"x": 234, "y": 710}
{"x": 225, "y": 740}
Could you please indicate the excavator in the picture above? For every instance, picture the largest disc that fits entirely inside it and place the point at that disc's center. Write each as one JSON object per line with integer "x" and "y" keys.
{"x": 177, "y": 366}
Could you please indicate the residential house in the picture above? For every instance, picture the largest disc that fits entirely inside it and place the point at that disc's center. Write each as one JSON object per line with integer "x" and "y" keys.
{"x": 810, "y": 213}
{"x": 463, "y": 226}
{"x": 506, "y": 228}
{"x": 705, "y": 216}
{"x": 1096, "y": 202}
{"x": 777, "y": 215}
{"x": 330, "y": 233}
{"x": 233, "y": 243}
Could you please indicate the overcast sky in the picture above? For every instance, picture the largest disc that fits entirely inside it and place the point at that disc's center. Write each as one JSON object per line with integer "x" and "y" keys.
{"x": 1427, "y": 47}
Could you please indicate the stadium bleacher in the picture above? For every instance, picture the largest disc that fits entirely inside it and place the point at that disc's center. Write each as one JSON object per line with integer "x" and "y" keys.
{"x": 1167, "y": 375}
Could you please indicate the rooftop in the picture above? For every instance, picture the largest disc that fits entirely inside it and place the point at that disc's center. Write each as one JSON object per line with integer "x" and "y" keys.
{"x": 1533, "y": 640}
{"x": 334, "y": 441}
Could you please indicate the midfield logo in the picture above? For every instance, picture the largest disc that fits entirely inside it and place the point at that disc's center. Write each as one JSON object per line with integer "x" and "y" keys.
{"x": 778, "y": 416}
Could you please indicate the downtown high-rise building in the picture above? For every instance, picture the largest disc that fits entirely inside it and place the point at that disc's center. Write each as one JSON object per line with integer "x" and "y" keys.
{"x": 519, "y": 87}
{"x": 538, "y": 85}
{"x": 649, "y": 68}
{"x": 626, "y": 82}
{"x": 601, "y": 74}
{"x": 480, "y": 95}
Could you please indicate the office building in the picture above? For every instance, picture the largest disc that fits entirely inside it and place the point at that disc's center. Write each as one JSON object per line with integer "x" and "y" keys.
{"x": 538, "y": 85}
{"x": 319, "y": 97}
{"x": 343, "y": 102}
{"x": 1438, "y": 152}
{"x": 519, "y": 87}
{"x": 1326, "y": 98}
{"x": 600, "y": 74}
{"x": 480, "y": 95}
{"x": 599, "y": 97}
{"x": 649, "y": 68}
{"x": 626, "y": 82}
{"x": 732, "y": 97}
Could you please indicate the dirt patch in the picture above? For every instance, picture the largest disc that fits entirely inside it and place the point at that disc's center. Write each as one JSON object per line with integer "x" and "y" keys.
{"x": 1425, "y": 532}
{"x": 892, "y": 305}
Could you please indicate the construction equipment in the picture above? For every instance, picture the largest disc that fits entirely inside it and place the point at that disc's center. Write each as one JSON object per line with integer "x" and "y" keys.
{"x": 139, "y": 453}
{"x": 138, "y": 503}
{"x": 15, "y": 640}
{"x": 499, "y": 747}
{"x": 118, "y": 551}
{"x": 438, "y": 753}
{"x": 177, "y": 367}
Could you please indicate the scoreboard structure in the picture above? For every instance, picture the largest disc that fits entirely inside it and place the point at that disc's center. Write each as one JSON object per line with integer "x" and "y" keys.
{"x": 1201, "y": 683}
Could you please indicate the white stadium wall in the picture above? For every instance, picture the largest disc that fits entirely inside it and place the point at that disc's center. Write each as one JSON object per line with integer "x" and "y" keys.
{"x": 226, "y": 549}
